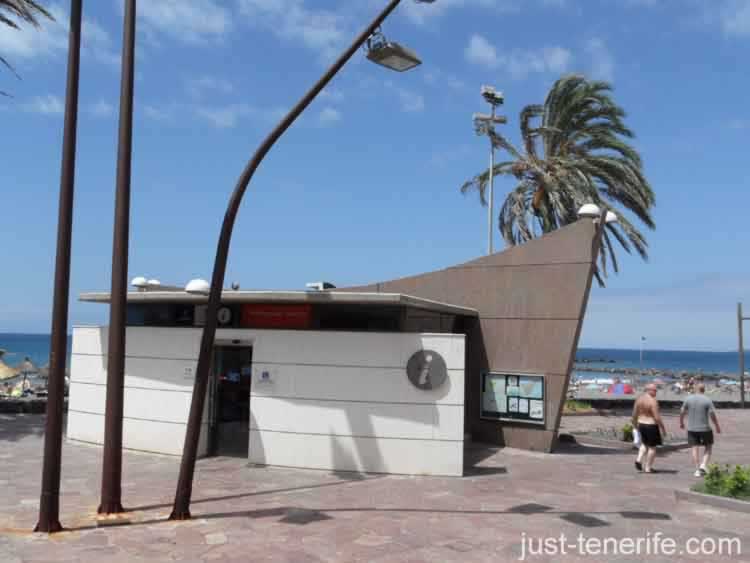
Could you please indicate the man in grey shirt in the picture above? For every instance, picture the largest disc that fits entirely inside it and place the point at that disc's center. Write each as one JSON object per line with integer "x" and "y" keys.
{"x": 699, "y": 409}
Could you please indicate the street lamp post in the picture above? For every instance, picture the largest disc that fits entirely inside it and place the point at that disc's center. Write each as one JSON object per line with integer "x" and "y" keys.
{"x": 111, "y": 494}
{"x": 484, "y": 125}
{"x": 49, "y": 503}
{"x": 741, "y": 350}
{"x": 381, "y": 51}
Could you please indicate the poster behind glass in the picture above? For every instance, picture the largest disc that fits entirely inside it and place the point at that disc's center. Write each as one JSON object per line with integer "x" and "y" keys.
{"x": 516, "y": 397}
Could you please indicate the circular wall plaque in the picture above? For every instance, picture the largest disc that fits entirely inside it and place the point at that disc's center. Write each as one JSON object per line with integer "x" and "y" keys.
{"x": 224, "y": 316}
{"x": 426, "y": 369}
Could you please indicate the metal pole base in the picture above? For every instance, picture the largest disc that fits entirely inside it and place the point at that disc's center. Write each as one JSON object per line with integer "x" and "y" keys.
{"x": 180, "y": 515}
{"x": 110, "y": 507}
{"x": 49, "y": 514}
{"x": 49, "y": 527}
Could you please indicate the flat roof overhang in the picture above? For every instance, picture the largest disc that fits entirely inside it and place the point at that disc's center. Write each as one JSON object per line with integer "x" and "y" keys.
{"x": 325, "y": 297}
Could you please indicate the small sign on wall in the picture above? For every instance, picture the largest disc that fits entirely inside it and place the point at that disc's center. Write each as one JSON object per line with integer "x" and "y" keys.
{"x": 516, "y": 397}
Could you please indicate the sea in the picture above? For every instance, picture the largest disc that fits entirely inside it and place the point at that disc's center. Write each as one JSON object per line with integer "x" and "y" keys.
{"x": 18, "y": 347}
{"x": 36, "y": 347}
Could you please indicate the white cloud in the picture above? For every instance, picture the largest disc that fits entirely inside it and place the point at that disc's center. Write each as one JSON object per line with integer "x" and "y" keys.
{"x": 332, "y": 95}
{"x": 45, "y": 105}
{"x": 52, "y": 39}
{"x": 225, "y": 117}
{"x": 602, "y": 61}
{"x": 328, "y": 116}
{"x": 421, "y": 14}
{"x": 481, "y": 52}
{"x": 193, "y": 21}
{"x": 519, "y": 63}
{"x": 435, "y": 76}
{"x": 198, "y": 86}
{"x": 102, "y": 109}
{"x": 319, "y": 30}
{"x": 411, "y": 102}
{"x": 159, "y": 113}
{"x": 735, "y": 17}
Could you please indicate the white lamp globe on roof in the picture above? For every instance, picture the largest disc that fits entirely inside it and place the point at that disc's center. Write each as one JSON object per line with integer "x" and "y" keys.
{"x": 198, "y": 286}
{"x": 590, "y": 210}
{"x": 610, "y": 217}
{"x": 140, "y": 282}
{"x": 154, "y": 283}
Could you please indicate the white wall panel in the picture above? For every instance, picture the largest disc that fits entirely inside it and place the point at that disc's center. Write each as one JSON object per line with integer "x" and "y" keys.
{"x": 149, "y": 342}
{"x": 352, "y": 384}
{"x": 381, "y": 349}
{"x": 150, "y": 373}
{"x": 346, "y": 453}
{"x": 145, "y": 436}
{"x": 340, "y": 418}
{"x": 145, "y": 404}
{"x": 342, "y": 400}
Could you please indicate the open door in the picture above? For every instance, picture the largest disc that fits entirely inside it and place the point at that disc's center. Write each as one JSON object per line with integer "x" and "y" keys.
{"x": 229, "y": 404}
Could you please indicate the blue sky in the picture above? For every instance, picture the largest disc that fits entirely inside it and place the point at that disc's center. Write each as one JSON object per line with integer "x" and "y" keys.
{"x": 365, "y": 186}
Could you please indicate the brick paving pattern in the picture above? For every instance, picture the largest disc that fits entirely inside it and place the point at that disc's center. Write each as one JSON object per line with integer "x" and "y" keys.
{"x": 254, "y": 514}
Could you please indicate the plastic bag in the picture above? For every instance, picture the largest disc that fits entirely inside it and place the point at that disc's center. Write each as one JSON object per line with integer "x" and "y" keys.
{"x": 636, "y": 438}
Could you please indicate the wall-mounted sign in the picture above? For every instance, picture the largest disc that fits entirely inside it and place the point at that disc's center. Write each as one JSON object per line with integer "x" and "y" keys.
{"x": 276, "y": 316}
{"x": 224, "y": 316}
{"x": 426, "y": 369}
{"x": 510, "y": 396}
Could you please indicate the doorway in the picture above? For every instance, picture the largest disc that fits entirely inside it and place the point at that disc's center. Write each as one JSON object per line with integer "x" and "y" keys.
{"x": 229, "y": 407}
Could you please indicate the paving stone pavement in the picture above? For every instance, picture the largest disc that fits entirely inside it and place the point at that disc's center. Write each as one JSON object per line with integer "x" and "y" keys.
{"x": 507, "y": 499}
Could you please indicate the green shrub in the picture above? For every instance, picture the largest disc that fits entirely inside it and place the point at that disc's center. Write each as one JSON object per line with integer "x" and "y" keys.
{"x": 627, "y": 433}
{"x": 725, "y": 482}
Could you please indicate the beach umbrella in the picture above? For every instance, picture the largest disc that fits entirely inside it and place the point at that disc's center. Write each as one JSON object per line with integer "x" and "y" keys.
{"x": 5, "y": 370}
{"x": 26, "y": 366}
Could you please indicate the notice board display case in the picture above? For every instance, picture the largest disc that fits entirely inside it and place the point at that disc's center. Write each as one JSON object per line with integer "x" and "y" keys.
{"x": 516, "y": 397}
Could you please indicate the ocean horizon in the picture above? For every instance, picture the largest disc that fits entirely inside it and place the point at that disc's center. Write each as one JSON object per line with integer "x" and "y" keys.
{"x": 36, "y": 346}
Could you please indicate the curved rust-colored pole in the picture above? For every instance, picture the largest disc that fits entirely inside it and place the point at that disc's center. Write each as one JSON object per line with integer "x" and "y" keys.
{"x": 181, "y": 509}
{"x": 49, "y": 503}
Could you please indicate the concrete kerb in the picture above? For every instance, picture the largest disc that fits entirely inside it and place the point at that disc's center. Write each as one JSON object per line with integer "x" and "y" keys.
{"x": 713, "y": 500}
{"x": 594, "y": 441}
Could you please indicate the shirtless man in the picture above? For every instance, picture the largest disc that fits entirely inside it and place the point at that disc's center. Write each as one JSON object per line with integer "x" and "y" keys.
{"x": 647, "y": 420}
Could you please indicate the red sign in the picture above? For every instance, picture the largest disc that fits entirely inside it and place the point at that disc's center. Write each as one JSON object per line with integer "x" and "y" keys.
{"x": 276, "y": 316}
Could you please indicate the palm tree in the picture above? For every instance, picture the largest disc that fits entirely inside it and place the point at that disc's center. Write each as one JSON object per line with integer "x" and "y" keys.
{"x": 14, "y": 12}
{"x": 574, "y": 152}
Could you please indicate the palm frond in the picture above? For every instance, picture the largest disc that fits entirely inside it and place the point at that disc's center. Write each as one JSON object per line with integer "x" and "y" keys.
{"x": 575, "y": 151}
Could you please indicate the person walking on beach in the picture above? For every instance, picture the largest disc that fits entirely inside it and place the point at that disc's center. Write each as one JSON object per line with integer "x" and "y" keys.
{"x": 699, "y": 409}
{"x": 647, "y": 419}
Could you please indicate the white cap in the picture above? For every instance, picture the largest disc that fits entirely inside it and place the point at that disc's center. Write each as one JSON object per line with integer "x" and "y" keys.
{"x": 589, "y": 210}
{"x": 199, "y": 286}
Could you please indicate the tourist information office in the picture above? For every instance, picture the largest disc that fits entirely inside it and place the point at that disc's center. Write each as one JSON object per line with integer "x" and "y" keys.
{"x": 392, "y": 377}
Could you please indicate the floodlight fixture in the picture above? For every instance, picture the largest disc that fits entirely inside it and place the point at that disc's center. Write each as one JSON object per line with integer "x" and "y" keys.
{"x": 390, "y": 54}
{"x": 492, "y": 96}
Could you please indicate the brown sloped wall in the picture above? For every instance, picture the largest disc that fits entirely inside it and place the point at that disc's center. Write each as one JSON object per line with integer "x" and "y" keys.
{"x": 531, "y": 301}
